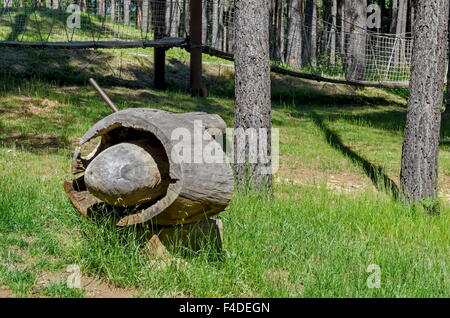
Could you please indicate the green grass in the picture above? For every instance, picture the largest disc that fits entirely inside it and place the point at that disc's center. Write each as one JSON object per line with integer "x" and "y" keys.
{"x": 312, "y": 240}
{"x": 60, "y": 290}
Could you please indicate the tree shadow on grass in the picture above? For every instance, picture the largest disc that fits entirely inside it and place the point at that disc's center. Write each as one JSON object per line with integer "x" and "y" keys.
{"x": 13, "y": 136}
{"x": 34, "y": 143}
{"x": 376, "y": 173}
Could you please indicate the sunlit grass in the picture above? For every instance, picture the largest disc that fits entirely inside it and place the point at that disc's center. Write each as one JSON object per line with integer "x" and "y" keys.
{"x": 310, "y": 241}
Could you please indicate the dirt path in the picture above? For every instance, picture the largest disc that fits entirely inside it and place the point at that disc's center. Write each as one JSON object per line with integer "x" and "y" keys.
{"x": 344, "y": 182}
{"x": 93, "y": 287}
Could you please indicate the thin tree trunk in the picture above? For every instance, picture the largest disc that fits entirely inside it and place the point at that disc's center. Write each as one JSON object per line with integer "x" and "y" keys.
{"x": 356, "y": 48}
{"x": 84, "y": 5}
{"x": 139, "y": 15}
{"x": 186, "y": 16}
{"x": 419, "y": 171}
{"x": 333, "y": 32}
{"x": 126, "y": 11}
{"x": 279, "y": 31}
{"x": 394, "y": 17}
{"x": 400, "y": 31}
{"x": 273, "y": 26}
{"x": 145, "y": 10}
{"x": 383, "y": 15}
{"x": 252, "y": 79}
{"x": 310, "y": 39}
{"x": 205, "y": 22}
{"x": 220, "y": 36}
{"x": 172, "y": 18}
{"x": 342, "y": 16}
{"x": 113, "y": 10}
{"x": 294, "y": 46}
{"x": 230, "y": 34}
{"x": 215, "y": 22}
{"x": 412, "y": 15}
{"x": 101, "y": 8}
{"x": 174, "y": 32}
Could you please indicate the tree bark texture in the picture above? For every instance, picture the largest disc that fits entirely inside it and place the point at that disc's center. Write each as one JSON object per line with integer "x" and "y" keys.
{"x": 419, "y": 171}
{"x": 294, "y": 41}
{"x": 356, "y": 48}
{"x": 252, "y": 80}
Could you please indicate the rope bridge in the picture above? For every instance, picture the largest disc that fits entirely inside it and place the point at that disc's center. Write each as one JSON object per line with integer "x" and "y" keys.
{"x": 320, "y": 50}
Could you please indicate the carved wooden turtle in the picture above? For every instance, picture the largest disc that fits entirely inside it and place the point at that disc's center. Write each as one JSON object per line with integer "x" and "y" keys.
{"x": 136, "y": 165}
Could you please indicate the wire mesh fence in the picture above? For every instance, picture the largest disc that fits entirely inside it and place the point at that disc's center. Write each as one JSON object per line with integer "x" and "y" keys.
{"x": 298, "y": 42}
{"x": 87, "y": 20}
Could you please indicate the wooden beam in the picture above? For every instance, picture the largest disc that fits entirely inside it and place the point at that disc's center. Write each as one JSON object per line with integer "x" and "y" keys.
{"x": 159, "y": 63}
{"x": 159, "y": 43}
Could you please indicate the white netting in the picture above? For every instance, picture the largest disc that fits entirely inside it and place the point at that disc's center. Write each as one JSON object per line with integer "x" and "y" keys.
{"x": 84, "y": 20}
{"x": 308, "y": 45}
{"x": 339, "y": 51}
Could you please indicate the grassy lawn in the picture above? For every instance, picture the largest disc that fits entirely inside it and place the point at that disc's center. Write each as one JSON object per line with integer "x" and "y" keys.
{"x": 333, "y": 213}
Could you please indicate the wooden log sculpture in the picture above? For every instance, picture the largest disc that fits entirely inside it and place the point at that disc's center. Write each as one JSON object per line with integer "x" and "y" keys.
{"x": 135, "y": 166}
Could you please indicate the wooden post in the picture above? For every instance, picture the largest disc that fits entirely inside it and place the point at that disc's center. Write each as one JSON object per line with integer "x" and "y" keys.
{"x": 196, "y": 85}
{"x": 159, "y": 25}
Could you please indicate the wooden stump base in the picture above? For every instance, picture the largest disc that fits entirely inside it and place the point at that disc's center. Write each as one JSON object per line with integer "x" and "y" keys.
{"x": 204, "y": 235}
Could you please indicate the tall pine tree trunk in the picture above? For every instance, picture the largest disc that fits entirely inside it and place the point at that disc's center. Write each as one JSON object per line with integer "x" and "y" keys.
{"x": 173, "y": 18}
{"x": 231, "y": 27}
{"x": 126, "y": 11}
{"x": 294, "y": 41}
{"x": 279, "y": 31}
{"x": 447, "y": 104}
{"x": 383, "y": 15}
{"x": 84, "y": 5}
{"x": 419, "y": 171}
{"x": 400, "y": 32}
{"x": 253, "y": 105}
{"x": 145, "y": 11}
{"x": 394, "y": 17}
{"x": 342, "y": 26}
{"x": 113, "y": 10}
{"x": 139, "y": 15}
{"x": 205, "y": 21}
{"x": 356, "y": 47}
{"x": 333, "y": 30}
{"x": 186, "y": 16}
{"x": 101, "y": 8}
{"x": 177, "y": 18}
{"x": 310, "y": 33}
{"x": 217, "y": 24}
